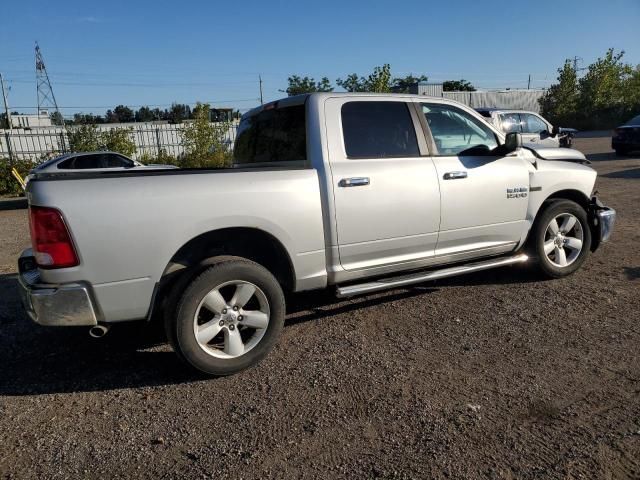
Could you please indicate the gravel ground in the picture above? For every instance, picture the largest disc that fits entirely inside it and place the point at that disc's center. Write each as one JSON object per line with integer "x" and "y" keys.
{"x": 494, "y": 375}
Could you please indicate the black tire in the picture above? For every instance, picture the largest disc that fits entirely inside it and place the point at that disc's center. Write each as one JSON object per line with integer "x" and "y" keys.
{"x": 180, "y": 328}
{"x": 549, "y": 211}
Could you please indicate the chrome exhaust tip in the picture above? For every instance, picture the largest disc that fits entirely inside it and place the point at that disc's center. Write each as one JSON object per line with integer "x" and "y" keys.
{"x": 99, "y": 331}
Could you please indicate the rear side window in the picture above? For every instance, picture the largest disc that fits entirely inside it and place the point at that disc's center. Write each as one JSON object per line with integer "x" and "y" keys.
{"x": 105, "y": 160}
{"x": 275, "y": 135}
{"x": 378, "y": 130}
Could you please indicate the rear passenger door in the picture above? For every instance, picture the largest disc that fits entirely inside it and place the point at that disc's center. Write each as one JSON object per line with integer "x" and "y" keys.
{"x": 386, "y": 194}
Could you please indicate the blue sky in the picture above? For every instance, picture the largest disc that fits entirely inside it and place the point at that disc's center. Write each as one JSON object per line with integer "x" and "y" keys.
{"x": 100, "y": 54}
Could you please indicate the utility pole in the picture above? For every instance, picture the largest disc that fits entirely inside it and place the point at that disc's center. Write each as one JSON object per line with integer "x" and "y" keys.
{"x": 529, "y": 82}
{"x": 6, "y": 103}
{"x": 260, "y": 79}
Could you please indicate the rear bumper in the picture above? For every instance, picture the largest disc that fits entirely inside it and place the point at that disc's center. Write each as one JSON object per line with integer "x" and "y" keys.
{"x": 47, "y": 304}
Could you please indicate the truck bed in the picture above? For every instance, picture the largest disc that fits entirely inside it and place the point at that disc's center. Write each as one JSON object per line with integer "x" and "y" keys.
{"x": 127, "y": 225}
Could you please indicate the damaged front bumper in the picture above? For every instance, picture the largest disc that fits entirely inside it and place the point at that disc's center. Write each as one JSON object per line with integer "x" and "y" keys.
{"x": 602, "y": 220}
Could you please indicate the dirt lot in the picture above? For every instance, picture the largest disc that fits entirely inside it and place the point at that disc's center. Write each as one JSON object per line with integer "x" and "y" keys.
{"x": 494, "y": 375}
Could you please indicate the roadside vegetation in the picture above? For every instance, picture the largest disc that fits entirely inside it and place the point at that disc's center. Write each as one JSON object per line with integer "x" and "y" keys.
{"x": 8, "y": 184}
{"x": 87, "y": 138}
{"x": 380, "y": 80}
{"x": 607, "y": 95}
{"x": 204, "y": 142}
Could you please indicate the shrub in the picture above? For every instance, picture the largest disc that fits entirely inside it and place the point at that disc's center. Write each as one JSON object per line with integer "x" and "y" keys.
{"x": 87, "y": 138}
{"x": 8, "y": 184}
{"x": 161, "y": 158}
{"x": 204, "y": 142}
{"x": 119, "y": 140}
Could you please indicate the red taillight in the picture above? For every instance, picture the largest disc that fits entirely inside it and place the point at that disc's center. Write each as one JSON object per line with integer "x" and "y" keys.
{"x": 52, "y": 245}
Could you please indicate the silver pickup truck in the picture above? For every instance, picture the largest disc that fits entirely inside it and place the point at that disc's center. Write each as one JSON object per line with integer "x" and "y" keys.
{"x": 362, "y": 192}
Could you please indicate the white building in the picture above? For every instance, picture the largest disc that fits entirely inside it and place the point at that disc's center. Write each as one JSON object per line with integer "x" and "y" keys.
{"x": 22, "y": 120}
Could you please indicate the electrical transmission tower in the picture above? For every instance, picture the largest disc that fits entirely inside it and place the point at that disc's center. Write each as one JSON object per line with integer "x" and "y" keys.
{"x": 46, "y": 99}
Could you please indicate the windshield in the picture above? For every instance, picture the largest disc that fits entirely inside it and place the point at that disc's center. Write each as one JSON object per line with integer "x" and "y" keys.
{"x": 634, "y": 121}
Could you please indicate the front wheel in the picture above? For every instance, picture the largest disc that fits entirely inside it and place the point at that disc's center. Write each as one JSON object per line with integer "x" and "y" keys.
{"x": 561, "y": 238}
{"x": 228, "y": 318}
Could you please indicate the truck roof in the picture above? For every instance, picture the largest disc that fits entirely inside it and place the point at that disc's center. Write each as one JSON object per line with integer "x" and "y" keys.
{"x": 302, "y": 98}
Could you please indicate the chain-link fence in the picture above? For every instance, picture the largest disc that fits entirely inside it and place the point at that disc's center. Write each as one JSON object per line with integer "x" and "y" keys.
{"x": 150, "y": 140}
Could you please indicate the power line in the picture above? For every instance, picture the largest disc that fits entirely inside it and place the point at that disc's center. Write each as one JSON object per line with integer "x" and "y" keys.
{"x": 152, "y": 104}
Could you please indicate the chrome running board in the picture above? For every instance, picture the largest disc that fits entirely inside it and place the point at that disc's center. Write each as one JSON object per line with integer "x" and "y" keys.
{"x": 419, "y": 277}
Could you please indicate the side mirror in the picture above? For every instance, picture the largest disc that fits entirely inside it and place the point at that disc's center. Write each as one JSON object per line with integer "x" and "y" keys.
{"x": 513, "y": 141}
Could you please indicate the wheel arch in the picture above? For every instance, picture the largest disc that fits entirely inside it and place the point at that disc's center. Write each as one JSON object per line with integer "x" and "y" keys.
{"x": 574, "y": 195}
{"x": 568, "y": 194}
{"x": 246, "y": 242}
{"x": 201, "y": 251}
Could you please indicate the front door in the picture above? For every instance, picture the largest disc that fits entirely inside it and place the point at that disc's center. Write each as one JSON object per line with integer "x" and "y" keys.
{"x": 385, "y": 187}
{"x": 484, "y": 197}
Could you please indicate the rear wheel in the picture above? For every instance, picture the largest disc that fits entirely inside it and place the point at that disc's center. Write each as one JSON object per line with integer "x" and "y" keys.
{"x": 561, "y": 238}
{"x": 228, "y": 318}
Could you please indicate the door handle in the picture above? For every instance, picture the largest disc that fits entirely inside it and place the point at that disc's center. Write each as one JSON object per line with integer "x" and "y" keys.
{"x": 454, "y": 175}
{"x": 354, "y": 182}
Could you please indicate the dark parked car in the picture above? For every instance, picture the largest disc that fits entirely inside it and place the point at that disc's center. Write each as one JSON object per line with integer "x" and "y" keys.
{"x": 627, "y": 137}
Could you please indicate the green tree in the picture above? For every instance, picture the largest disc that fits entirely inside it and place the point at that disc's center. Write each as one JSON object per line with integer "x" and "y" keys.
{"x": 120, "y": 114}
{"x": 378, "y": 81}
{"x": 144, "y": 114}
{"x": 632, "y": 92}
{"x": 404, "y": 84}
{"x": 352, "y": 83}
{"x": 560, "y": 102}
{"x": 87, "y": 118}
{"x": 204, "y": 142}
{"x": 118, "y": 140}
{"x": 299, "y": 85}
{"x": 179, "y": 112}
{"x": 603, "y": 89}
{"x": 56, "y": 118}
{"x": 87, "y": 138}
{"x": 458, "y": 86}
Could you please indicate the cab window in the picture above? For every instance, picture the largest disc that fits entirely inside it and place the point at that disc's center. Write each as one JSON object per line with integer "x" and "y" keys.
{"x": 378, "y": 130}
{"x": 456, "y": 131}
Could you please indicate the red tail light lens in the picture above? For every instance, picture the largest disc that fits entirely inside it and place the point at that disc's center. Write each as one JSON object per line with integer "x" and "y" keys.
{"x": 52, "y": 245}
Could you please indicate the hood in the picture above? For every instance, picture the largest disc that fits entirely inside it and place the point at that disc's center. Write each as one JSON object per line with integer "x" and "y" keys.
{"x": 557, "y": 153}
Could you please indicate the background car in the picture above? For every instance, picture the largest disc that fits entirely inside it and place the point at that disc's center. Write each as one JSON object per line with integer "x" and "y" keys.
{"x": 91, "y": 161}
{"x": 626, "y": 138}
{"x": 535, "y": 129}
